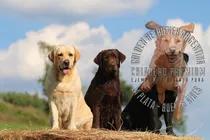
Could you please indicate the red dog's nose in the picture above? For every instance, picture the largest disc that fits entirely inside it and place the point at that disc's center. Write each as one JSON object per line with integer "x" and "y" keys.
{"x": 177, "y": 88}
{"x": 172, "y": 50}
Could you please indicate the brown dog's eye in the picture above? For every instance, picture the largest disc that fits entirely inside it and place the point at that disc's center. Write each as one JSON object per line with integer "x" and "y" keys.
{"x": 105, "y": 57}
{"x": 115, "y": 56}
{"x": 70, "y": 54}
{"x": 60, "y": 54}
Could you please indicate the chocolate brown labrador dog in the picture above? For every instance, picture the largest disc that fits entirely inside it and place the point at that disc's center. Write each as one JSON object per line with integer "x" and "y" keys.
{"x": 104, "y": 95}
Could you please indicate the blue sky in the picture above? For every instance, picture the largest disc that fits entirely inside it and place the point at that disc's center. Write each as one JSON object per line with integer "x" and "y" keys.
{"x": 192, "y": 11}
{"x": 16, "y": 23}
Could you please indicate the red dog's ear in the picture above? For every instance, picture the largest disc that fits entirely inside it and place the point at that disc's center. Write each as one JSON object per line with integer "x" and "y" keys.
{"x": 190, "y": 27}
{"x": 98, "y": 58}
{"x": 122, "y": 57}
{"x": 152, "y": 25}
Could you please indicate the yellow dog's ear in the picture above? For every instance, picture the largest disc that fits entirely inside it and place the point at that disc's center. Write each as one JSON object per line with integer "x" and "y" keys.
{"x": 76, "y": 55}
{"x": 189, "y": 28}
{"x": 152, "y": 25}
{"x": 51, "y": 56}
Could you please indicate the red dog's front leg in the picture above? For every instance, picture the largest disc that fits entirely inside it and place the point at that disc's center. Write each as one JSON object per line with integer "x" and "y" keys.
{"x": 178, "y": 109}
{"x": 146, "y": 86}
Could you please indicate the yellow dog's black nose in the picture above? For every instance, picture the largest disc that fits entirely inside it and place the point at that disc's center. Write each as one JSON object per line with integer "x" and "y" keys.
{"x": 66, "y": 63}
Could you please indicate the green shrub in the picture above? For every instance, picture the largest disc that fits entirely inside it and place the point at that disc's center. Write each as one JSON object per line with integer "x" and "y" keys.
{"x": 29, "y": 117}
{"x": 25, "y": 99}
{"x": 3, "y": 107}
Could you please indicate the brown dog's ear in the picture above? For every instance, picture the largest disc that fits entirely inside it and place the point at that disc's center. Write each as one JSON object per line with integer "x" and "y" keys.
{"x": 190, "y": 27}
{"x": 51, "y": 56}
{"x": 152, "y": 25}
{"x": 122, "y": 56}
{"x": 76, "y": 55}
{"x": 97, "y": 59}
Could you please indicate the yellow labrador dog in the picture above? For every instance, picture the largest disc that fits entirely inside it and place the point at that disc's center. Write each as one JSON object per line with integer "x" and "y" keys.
{"x": 169, "y": 55}
{"x": 63, "y": 87}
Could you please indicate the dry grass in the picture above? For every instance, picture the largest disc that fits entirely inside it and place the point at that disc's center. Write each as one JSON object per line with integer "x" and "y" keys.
{"x": 87, "y": 135}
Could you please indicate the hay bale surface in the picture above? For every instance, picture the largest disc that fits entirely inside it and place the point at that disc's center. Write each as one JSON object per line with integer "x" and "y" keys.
{"x": 85, "y": 135}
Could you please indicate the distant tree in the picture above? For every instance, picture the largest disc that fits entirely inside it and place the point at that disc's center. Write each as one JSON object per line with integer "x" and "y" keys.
{"x": 42, "y": 79}
{"x": 84, "y": 89}
{"x": 44, "y": 50}
{"x": 127, "y": 91}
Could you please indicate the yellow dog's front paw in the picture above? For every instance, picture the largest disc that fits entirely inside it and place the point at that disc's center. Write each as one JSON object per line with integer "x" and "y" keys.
{"x": 72, "y": 128}
{"x": 55, "y": 127}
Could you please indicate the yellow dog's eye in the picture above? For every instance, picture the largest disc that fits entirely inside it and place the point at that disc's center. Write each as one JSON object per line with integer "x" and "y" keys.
{"x": 70, "y": 54}
{"x": 60, "y": 54}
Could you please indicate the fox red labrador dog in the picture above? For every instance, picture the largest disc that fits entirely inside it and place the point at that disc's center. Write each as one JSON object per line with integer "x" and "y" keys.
{"x": 104, "y": 95}
{"x": 137, "y": 116}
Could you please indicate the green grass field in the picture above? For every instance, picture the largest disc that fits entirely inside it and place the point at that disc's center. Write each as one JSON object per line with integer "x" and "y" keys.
{"x": 20, "y": 126}
{"x": 22, "y": 118}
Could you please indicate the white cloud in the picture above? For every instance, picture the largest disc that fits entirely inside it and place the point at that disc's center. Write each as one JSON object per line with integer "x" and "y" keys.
{"x": 62, "y": 10}
{"x": 23, "y": 59}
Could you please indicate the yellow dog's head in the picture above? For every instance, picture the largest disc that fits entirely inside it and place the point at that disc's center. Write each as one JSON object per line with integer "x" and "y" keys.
{"x": 64, "y": 58}
{"x": 170, "y": 44}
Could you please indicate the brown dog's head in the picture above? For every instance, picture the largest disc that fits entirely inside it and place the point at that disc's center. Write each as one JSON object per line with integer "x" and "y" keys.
{"x": 170, "y": 44}
{"x": 109, "y": 61}
{"x": 64, "y": 58}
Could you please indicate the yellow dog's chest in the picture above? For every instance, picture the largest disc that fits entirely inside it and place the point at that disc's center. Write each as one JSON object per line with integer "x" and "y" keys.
{"x": 63, "y": 97}
{"x": 64, "y": 88}
{"x": 63, "y": 94}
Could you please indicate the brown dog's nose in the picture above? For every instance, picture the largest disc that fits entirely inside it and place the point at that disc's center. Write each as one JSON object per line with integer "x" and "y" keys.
{"x": 112, "y": 63}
